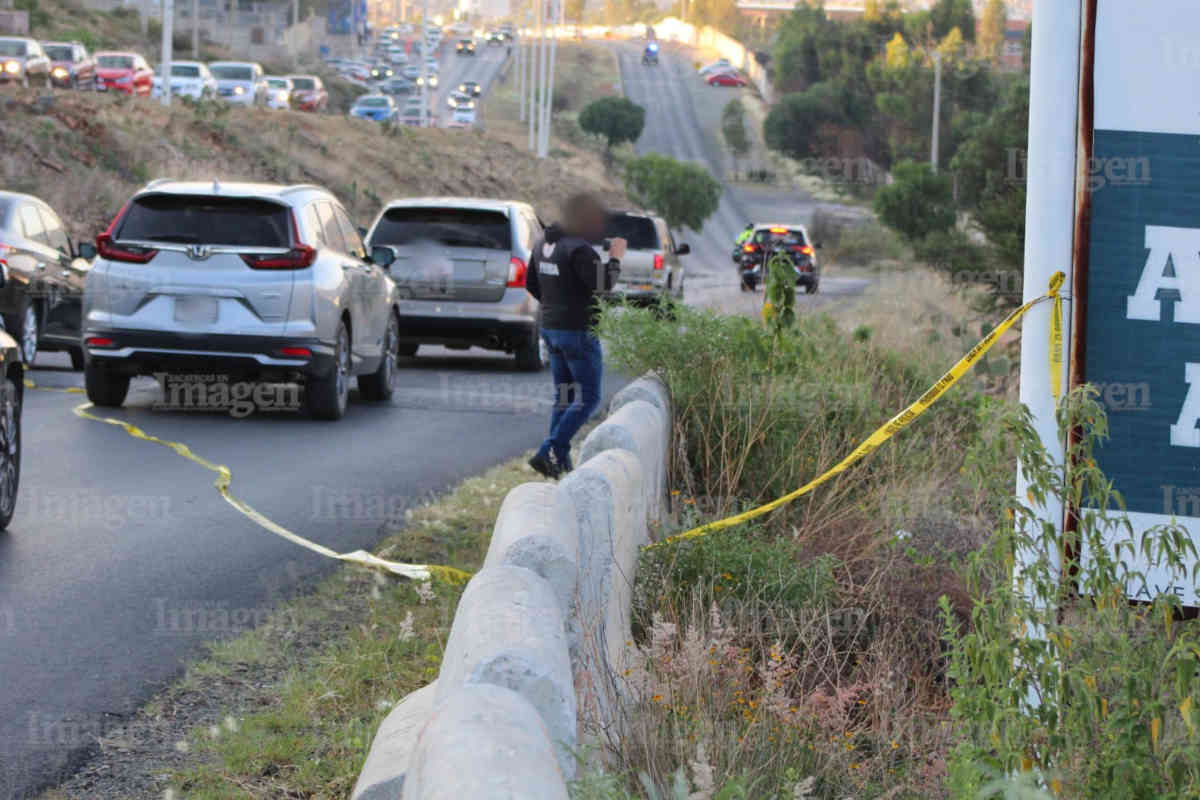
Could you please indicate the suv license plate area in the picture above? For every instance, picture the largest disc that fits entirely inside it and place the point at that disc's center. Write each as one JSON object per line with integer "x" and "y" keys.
{"x": 195, "y": 309}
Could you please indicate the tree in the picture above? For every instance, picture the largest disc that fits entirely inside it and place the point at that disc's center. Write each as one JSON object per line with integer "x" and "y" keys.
{"x": 946, "y": 15}
{"x": 992, "y": 29}
{"x": 793, "y": 125}
{"x": 683, "y": 193}
{"x": 951, "y": 47}
{"x": 733, "y": 128}
{"x": 617, "y": 119}
{"x": 918, "y": 203}
{"x": 897, "y": 54}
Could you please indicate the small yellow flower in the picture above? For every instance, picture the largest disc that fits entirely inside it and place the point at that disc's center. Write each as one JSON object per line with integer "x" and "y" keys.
{"x": 895, "y": 745}
{"x": 674, "y": 492}
{"x": 656, "y": 698}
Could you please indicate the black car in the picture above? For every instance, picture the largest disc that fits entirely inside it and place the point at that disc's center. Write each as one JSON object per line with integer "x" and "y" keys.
{"x": 465, "y": 47}
{"x": 42, "y": 297}
{"x": 471, "y": 88}
{"x": 12, "y": 394}
{"x": 495, "y": 37}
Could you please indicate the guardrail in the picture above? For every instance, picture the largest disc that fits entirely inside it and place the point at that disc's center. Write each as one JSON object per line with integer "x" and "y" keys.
{"x": 538, "y": 644}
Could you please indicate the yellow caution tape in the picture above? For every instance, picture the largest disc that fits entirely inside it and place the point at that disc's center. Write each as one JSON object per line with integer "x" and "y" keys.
{"x": 905, "y": 417}
{"x": 421, "y": 572}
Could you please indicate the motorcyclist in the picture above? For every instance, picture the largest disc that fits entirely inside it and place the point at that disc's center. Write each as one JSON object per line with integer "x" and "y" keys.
{"x": 745, "y": 235}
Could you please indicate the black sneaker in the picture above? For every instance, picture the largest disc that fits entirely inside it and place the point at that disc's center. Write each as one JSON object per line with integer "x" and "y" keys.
{"x": 542, "y": 465}
{"x": 563, "y": 463}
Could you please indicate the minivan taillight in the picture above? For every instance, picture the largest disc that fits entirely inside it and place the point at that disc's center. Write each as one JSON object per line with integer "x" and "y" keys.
{"x": 299, "y": 257}
{"x": 516, "y": 273}
{"x": 658, "y": 261}
{"x": 113, "y": 251}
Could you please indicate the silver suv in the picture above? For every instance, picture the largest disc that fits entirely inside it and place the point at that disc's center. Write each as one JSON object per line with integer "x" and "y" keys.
{"x": 268, "y": 282}
{"x": 651, "y": 267}
{"x": 460, "y": 273}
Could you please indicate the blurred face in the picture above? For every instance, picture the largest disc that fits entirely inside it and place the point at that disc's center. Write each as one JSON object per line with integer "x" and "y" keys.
{"x": 591, "y": 223}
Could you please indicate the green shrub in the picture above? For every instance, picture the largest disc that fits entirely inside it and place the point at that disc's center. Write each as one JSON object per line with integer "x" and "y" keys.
{"x": 1092, "y": 695}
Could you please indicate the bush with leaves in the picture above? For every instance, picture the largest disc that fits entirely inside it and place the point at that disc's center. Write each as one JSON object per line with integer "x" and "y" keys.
{"x": 919, "y": 201}
{"x": 1093, "y": 695}
{"x": 615, "y": 119}
{"x": 683, "y": 193}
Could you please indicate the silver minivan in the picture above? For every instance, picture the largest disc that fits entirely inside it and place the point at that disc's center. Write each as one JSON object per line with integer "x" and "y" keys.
{"x": 460, "y": 273}
{"x": 271, "y": 283}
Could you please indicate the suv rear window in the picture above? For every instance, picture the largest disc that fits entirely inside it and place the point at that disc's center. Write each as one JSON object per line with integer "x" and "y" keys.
{"x": 59, "y": 52}
{"x": 203, "y": 219}
{"x": 452, "y": 227}
{"x": 639, "y": 232}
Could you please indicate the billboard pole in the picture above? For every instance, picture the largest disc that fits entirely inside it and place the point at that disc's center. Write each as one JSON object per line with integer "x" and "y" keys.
{"x": 521, "y": 59}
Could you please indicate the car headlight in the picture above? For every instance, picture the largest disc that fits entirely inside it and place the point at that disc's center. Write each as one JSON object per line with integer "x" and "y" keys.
{"x": 12, "y": 67}
{"x": 239, "y": 90}
{"x": 470, "y": 105}
{"x": 462, "y": 87}
{"x": 60, "y": 72}
{"x": 282, "y": 96}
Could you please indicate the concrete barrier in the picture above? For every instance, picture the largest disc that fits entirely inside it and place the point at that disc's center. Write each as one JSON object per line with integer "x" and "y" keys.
{"x": 508, "y": 631}
{"x": 484, "y": 743}
{"x": 535, "y": 655}
{"x": 382, "y": 776}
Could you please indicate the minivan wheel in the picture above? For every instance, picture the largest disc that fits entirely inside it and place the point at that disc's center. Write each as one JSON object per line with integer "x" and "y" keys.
{"x": 533, "y": 356}
{"x": 328, "y": 396}
{"x": 104, "y": 387}
{"x": 378, "y": 386}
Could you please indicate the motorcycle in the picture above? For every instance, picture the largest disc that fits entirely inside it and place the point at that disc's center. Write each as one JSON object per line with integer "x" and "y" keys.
{"x": 749, "y": 268}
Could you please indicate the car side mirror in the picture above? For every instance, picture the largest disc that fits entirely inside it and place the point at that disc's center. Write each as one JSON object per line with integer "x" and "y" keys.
{"x": 382, "y": 256}
{"x": 682, "y": 249}
{"x": 85, "y": 250}
{"x": 3, "y": 275}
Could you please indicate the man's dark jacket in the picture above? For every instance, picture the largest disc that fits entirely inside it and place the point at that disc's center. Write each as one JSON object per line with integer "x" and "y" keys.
{"x": 566, "y": 275}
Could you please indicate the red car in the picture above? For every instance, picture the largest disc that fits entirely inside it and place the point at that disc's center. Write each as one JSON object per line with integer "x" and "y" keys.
{"x": 726, "y": 79}
{"x": 308, "y": 93}
{"x": 127, "y": 73}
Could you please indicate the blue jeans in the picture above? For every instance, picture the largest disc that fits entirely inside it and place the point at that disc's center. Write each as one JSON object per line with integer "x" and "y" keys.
{"x": 578, "y": 368}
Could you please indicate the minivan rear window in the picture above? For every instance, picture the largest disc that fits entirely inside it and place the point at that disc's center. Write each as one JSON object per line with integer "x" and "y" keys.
{"x": 638, "y": 232}
{"x": 203, "y": 219}
{"x": 452, "y": 227}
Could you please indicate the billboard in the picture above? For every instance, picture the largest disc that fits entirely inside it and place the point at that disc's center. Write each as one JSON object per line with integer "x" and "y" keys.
{"x": 1141, "y": 312}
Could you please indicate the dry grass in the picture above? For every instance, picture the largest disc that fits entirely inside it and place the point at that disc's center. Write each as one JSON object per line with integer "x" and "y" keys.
{"x": 85, "y": 154}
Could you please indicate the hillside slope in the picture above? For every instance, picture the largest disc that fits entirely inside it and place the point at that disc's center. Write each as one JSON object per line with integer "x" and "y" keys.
{"x": 86, "y": 153}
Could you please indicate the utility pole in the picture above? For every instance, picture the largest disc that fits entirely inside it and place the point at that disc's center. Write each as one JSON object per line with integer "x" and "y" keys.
{"x": 168, "y": 33}
{"x": 233, "y": 9}
{"x": 424, "y": 39}
{"x": 295, "y": 37}
{"x": 937, "y": 106}
{"x": 544, "y": 77}
{"x": 196, "y": 29}
{"x": 535, "y": 77}
{"x": 145, "y": 7}
{"x": 548, "y": 107}
{"x": 521, "y": 60}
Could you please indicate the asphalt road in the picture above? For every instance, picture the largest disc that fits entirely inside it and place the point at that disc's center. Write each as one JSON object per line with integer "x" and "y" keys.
{"x": 676, "y": 121}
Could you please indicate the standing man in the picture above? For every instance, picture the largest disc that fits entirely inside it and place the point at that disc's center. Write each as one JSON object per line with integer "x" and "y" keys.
{"x": 566, "y": 275}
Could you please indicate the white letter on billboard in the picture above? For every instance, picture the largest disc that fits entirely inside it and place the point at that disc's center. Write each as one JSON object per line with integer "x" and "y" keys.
{"x": 1184, "y": 432}
{"x": 1182, "y": 247}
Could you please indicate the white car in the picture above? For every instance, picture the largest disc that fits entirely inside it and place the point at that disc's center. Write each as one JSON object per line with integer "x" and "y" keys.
{"x": 460, "y": 100}
{"x": 279, "y": 92}
{"x": 720, "y": 65}
{"x": 397, "y": 56}
{"x": 188, "y": 79}
{"x": 462, "y": 116}
{"x": 240, "y": 82}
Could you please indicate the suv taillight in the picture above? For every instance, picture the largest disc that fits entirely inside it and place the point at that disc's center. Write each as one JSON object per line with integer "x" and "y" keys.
{"x": 658, "y": 261}
{"x": 109, "y": 250}
{"x": 299, "y": 257}
{"x": 516, "y": 273}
